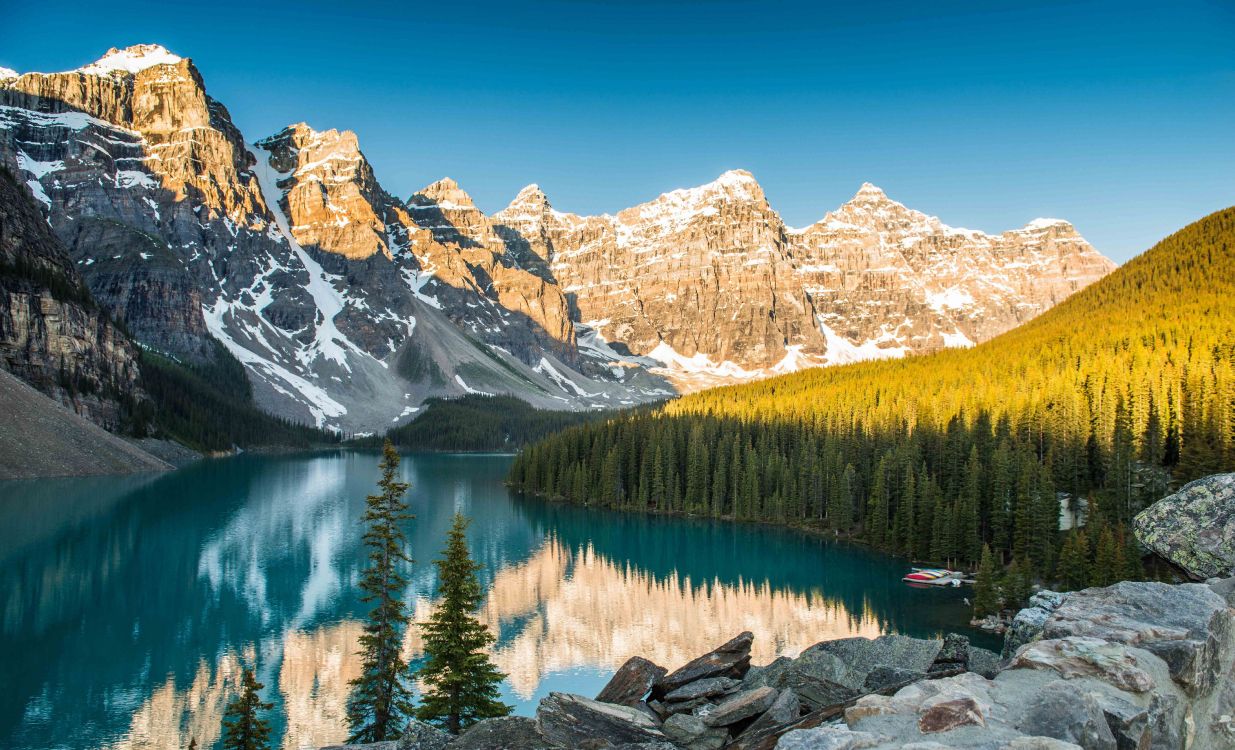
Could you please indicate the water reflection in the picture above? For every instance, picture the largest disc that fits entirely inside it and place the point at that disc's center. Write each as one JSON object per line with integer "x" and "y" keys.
{"x": 129, "y": 608}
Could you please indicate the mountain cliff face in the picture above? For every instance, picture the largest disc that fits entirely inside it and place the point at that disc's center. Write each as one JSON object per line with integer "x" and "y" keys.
{"x": 51, "y": 334}
{"x": 710, "y": 282}
{"x": 349, "y": 305}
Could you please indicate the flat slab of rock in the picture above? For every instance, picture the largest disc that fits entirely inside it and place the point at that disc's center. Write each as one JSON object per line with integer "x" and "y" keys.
{"x": 573, "y": 721}
{"x": 704, "y": 688}
{"x": 508, "y": 732}
{"x": 631, "y": 682}
{"x": 729, "y": 660}
{"x": 1194, "y": 528}
{"x": 741, "y": 706}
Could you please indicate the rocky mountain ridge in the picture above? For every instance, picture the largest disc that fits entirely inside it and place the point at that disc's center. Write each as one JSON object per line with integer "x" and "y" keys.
{"x": 350, "y": 306}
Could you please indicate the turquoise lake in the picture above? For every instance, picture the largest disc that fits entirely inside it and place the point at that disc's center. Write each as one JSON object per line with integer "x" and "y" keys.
{"x": 128, "y": 605}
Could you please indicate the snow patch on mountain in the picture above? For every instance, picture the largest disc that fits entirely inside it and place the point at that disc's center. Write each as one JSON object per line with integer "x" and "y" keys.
{"x": 130, "y": 60}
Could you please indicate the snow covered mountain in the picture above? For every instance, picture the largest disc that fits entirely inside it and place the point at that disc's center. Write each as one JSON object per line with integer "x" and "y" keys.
{"x": 350, "y": 306}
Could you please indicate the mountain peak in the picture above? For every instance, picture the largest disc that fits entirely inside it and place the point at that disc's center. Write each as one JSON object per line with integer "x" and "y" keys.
{"x": 445, "y": 193}
{"x": 869, "y": 192}
{"x": 7, "y": 73}
{"x": 131, "y": 60}
{"x": 1043, "y": 223}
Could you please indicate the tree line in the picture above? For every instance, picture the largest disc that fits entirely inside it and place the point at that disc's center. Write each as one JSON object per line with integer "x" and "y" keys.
{"x": 1096, "y": 408}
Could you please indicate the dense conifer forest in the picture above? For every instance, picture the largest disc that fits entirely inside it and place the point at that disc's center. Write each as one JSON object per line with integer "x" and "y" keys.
{"x": 210, "y": 407}
{"x": 1103, "y": 403}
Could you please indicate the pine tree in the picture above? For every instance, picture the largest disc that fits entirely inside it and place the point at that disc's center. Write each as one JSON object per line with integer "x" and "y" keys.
{"x": 462, "y": 682}
{"x": 985, "y": 594}
{"x": 1017, "y": 583}
{"x": 1072, "y": 570}
{"x": 243, "y": 729}
{"x": 380, "y": 702}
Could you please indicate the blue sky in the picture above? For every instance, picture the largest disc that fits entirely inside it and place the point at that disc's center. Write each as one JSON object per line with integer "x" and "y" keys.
{"x": 1119, "y": 116}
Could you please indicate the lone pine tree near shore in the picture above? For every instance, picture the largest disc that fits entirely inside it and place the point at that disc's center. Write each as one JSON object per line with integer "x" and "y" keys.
{"x": 462, "y": 682}
{"x": 380, "y": 703}
{"x": 243, "y": 729}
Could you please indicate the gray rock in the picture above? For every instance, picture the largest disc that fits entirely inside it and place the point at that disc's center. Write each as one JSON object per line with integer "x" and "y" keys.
{"x": 390, "y": 745}
{"x": 704, "y": 688}
{"x": 729, "y": 660}
{"x": 577, "y": 722}
{"x": 760, "y": 676}
{"x": 775, "y": 721}
{"x": 637, "y": 746}
{"x": 741, "y": 706}
{"x": 827, "y": 738}
{"x": 985, "y": 663}
{"x": 861, "y": 655}
{"x": 1066, "y": 713}
{"x": 883, "y": 677}
{"x": 954, "y": 654}
{"x": 1127, "y": 721}
{"x": 1183, "y": 624}
{"x": 1194, "y": 528}
{"x": 688, "y": 731}
{"x": 685, "y": 707}
{"x": 1039, "y": 743}
{"x": 1027, "y": 625}
{"x": 508, "y": 732}
{"x": 631, "y": 682}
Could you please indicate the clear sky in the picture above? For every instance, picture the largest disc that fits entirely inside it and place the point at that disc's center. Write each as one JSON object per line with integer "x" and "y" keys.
{"x": 1118, "y": 116}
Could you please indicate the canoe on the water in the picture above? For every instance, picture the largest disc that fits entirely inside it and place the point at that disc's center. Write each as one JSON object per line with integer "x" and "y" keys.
{"x": 933, "y": 576}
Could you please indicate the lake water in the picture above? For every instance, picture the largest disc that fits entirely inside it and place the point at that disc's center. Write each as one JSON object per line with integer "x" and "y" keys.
{"x": 128, "y": 605}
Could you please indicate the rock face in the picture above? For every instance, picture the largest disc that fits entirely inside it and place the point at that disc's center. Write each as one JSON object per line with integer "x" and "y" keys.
{"x": 1194, "y": 528}
{"x": 52, "y": 335}
{"x": 349, "y": 306}
{"x": 711, "y": 283}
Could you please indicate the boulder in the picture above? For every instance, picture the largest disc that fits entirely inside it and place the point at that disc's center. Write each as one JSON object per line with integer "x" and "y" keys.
{"x": 422, "y": 736}
{"x": 705, "y": 688}
{"x": 508, "y": 732}
{"x": 573, "y": 721}
{"x": 948, "y": 715}
{"x": 1183, "y": 624}
{"x": 690, "y": 732}
{"x": 983, "y": 662}
{"x": 861, "y": 655}
{"x": 729, "y": 660}
{"x": 741, "y": 706}
{"x": 954, "y": 654}
{"x": 1028, "y": 623}
{"x": 1066, "y": 713}
{"x": 1194, "y": 528}
{"x": 631, "y": 682}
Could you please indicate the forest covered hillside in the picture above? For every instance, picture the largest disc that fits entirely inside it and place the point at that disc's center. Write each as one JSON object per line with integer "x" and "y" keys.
{"x": 1103, "y": 402}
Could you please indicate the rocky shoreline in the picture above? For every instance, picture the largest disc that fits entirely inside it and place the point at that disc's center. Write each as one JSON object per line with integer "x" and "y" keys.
{"x": 1133, "y": 666}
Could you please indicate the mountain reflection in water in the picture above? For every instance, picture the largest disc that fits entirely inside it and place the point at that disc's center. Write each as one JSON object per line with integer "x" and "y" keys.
{"x": 131, "y": 605}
